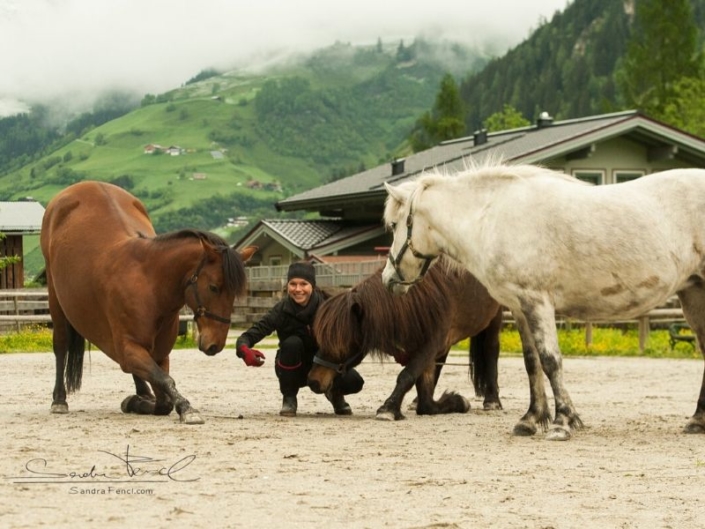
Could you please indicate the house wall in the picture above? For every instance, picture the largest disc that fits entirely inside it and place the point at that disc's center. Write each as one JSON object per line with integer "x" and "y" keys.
{"x": 614, "y": 156}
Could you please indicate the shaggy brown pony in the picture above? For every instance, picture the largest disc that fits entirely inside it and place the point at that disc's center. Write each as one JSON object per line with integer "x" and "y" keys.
{"x": 418, "y": 330}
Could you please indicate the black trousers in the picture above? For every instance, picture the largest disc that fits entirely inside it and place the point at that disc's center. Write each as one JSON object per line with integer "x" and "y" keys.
{"x": 293, "y": 362}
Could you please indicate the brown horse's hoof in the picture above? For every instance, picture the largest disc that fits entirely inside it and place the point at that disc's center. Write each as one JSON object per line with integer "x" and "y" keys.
{"x": 191, "y": 417}
{"x": 694, "y": 427}
{"x": 59, "y": 407}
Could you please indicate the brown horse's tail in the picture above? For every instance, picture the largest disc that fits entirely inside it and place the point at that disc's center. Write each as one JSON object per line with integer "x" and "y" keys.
{"x": 481, "y": 359}
{"x": 74, "y": 362}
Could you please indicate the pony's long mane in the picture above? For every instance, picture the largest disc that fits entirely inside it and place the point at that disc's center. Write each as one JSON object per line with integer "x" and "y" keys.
{"x": 234, "y": 276}
{"x": 370, "y": 320}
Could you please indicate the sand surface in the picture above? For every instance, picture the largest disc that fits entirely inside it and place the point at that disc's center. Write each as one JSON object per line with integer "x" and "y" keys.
{"x": 247, "y": 467}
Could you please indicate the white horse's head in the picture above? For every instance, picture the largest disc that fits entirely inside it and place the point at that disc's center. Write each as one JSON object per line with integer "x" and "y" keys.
{"x": 413, "y": 249}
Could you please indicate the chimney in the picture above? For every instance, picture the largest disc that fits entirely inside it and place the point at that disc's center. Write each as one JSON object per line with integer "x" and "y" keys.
{"x": 397, "y": 166}
{"x": 479, "y": 137}
{"x": 545, "y": 120}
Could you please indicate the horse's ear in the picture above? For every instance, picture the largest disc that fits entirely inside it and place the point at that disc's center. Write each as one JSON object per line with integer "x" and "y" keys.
{"x": 247, "y": 253}
{"x": 397, "y": 193}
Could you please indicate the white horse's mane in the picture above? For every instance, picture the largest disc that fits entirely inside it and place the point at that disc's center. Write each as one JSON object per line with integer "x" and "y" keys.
{"x": 490, "y": 169}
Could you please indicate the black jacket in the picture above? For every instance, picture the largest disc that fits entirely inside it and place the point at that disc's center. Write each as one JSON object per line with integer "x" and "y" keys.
{"x": 287, "y": 318}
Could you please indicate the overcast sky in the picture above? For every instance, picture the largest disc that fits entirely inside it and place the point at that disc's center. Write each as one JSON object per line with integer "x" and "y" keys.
{"x": 78, "y": 47}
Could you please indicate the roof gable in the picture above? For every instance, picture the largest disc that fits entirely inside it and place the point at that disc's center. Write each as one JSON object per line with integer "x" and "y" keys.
{"x": 21, "y": 217}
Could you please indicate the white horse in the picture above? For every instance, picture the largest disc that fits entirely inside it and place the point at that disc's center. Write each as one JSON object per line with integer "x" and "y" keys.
{"x": 544, "y": 242}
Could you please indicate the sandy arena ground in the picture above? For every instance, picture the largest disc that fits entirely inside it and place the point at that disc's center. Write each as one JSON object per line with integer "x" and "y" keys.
{"x": 631, "y": 467}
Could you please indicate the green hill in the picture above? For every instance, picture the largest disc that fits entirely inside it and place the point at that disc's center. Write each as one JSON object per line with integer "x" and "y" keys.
{"x": 243, "y": 140}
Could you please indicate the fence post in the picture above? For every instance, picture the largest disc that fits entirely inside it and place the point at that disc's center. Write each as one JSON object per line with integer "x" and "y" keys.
{"x": 644, "y": 329}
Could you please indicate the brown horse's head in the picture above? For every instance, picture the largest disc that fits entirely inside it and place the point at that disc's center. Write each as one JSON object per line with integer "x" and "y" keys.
{"x": 211, "y": 291}
{"x": 337, "y": 331}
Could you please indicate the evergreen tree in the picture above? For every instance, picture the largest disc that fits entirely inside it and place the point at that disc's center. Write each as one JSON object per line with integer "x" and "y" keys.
{"x": 508, "y": 118}
{"x": 663, "y": 48}
{"x": 445, "y": 121}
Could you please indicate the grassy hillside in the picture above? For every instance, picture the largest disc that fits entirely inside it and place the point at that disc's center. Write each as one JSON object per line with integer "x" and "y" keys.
{"x": 324, "y": 116}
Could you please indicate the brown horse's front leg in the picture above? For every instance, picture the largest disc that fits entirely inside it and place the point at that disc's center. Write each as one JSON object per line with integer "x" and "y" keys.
{"x": 144, "y": 367}
{"x": 143, "y": 402}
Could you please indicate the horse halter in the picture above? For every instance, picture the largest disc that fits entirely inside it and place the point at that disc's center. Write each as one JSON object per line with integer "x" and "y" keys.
{"x": 408, "y": 245}
{"x": 200, "y": 309}
{"x": 340, "y": 368}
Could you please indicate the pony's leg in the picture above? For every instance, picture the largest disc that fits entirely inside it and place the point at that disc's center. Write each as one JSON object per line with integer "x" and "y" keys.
{"x": 143, "y": 402}
{"x": 440, "y": 362}
{"x": 484, "y": 358}
{"x": 391, "y": 409}
{"x": 693, "y": 303}
{"x": 450, "y": 402}
{"x": 541, "y": 321}
{"x": 538, "y": 412}
{"x": 139, "y": 362}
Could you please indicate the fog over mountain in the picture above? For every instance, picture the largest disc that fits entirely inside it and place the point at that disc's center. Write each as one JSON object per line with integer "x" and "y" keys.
{"x": 74, "y": 49}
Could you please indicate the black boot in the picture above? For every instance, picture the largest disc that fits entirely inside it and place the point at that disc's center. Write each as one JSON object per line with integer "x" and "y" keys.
{"x": 340, "y": 407}
{"x": 289, "y": 405}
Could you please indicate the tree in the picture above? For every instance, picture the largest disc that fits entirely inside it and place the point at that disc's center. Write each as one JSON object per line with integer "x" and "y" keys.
{"x": 686, "y": 110}
{"x": 508, "y": 118}
{"x": 445, "y": 121}
{"x": 662, "y": 49}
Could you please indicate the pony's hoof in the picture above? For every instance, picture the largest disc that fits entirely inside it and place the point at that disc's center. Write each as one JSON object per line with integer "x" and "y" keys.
{"x": 60, "y": 407}
{"x": 465, "y": 407}
{"x": 558, "y": 433}
{"x": 191, "y": 417}
{"x": 491, "y": 406}
{"x": 694, "y": 427}
{"x": 524, "y": 429}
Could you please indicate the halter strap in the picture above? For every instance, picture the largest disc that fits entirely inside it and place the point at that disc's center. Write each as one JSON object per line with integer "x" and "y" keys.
{"x": 200, "y": 309}
{"x": 409, "y": 245}
{"x": 340, "y": 368}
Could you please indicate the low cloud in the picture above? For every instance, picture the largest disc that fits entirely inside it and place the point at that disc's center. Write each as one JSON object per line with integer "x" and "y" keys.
{"x": 77, "y": 48}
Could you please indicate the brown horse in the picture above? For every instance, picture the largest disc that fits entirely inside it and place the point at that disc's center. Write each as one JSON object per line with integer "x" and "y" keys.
{"x": 114, "y": 282}
{"x": 418, "y": 330}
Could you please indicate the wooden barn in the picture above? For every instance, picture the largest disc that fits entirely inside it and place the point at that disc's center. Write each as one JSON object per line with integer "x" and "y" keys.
{"x": 17, "y": 219}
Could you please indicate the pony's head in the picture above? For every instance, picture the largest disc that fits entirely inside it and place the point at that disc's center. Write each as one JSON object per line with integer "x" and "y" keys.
{"x": 338, "y": 332}
{"x": 413, "y": 249}
{"x": 219, "y": 278}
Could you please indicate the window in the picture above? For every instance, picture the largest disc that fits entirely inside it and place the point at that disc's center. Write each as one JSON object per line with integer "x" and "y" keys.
{"x": 594, "y": 177}
{"x": 626, "y": 176}
{"x": 275, "y": 260}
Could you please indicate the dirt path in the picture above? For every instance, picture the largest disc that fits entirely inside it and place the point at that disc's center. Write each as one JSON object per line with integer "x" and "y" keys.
{"x": 247, "y": 467}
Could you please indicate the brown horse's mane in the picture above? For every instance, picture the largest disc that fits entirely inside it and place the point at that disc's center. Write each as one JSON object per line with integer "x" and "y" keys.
{"x": 234, "y": 276}
{"x": 370, "y": 320}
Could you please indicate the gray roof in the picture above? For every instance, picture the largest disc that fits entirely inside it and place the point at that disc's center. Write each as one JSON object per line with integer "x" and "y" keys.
{"x": 533, "y": 144}
{"x": 310, "y": 235}
{"x": 21, "y": 217}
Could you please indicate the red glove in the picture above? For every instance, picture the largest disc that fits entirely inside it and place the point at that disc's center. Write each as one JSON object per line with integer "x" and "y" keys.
{"x": 252, "y": 357}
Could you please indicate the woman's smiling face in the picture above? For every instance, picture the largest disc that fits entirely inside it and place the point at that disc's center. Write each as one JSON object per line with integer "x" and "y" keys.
{"x": 299, "y": 290}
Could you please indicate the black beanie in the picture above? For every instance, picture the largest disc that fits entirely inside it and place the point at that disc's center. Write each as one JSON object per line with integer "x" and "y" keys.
{"x": 302, "y": 270}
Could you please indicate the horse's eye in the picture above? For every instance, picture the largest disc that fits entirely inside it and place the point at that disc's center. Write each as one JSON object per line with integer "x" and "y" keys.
{"x": 392, "y": 226}
{"x": 213, "y": 288}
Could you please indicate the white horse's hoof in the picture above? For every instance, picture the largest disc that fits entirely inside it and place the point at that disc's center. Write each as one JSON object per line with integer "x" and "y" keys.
{"x": 558, "y": 433}
{"x": 385, "y": 416}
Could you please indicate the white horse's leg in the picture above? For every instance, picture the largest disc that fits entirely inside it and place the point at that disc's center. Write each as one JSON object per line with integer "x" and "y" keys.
{"x": 541, "y": 320}
{"x": 538, "y": 412}
{"x": 693, "y": 303}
